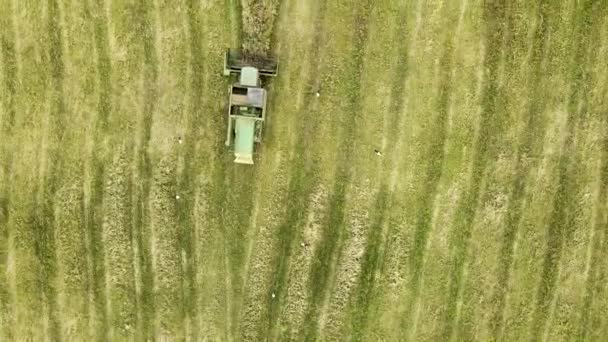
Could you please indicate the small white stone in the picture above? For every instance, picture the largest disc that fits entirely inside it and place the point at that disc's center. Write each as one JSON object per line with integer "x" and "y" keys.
{"x": 318, "y": 94}
{"x": 176, "y": 196}
{"x": 302, "y": 244}
{"x": 273, "y": 295}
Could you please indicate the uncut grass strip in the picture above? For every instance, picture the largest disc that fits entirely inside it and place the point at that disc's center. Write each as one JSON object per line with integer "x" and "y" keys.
{"x": 323, "y": 271}
{"x": 487, "y": 142}
{"x": 561, "y": 218}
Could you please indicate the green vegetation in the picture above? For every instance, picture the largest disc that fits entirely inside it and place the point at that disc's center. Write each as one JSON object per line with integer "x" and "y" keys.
{"x": 484, "y": 217}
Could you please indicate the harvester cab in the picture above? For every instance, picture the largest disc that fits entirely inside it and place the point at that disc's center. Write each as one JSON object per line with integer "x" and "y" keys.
{"x": 247, "y": 102}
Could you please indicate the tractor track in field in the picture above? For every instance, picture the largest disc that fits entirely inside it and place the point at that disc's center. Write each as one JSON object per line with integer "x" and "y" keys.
{"x": 330, "y": 246}
{"x": 560, "y": 223}
{"x": 487, "y": 141}
{"x": 530, "y": 146}
{"x": 9, "y": 78}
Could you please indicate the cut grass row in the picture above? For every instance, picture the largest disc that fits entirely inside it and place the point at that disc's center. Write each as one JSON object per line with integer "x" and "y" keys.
{"x": 8, "y": 87}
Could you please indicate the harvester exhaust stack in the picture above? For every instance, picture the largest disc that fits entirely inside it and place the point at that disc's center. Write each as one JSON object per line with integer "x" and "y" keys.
{"x": 247, "y": 102}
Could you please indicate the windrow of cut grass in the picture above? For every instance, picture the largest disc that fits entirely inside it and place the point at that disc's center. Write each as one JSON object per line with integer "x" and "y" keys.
{"x": 166, "y": 251}
{"x": 258, "y": 17}
{"x": 118, "y": 240}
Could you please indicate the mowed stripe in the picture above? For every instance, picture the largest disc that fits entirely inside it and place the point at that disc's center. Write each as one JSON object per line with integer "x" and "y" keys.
{"x": 116, "y": 233}
{"x": 73, "y": 282}
{"x": 169, "y": 126}
{"x": 527, "y": 151}
{"x": 560, "y": 223}
{"x": 434, "y": 145}
{"x": 308, "y": 198}
{"x": 209, "y": 268}
{"x": 344, "y": 82}
{"x": 95, "y": 168}
{"x": 125, "y": 97}
{"x": 269, "y": 236}
{"x": 400, "y": 151}
{"x": 142, "y": 173}
{"x": 594, "y": 275}
{"x": 488, "y": 143}
{"x": 585, "y": 156}
{"x": 8, "y": 89}
{"x": 52, "y": 163}
{"x": 368, "y": 194}
{"x": 231, "y": 191}
{"x": 304, "y": 80}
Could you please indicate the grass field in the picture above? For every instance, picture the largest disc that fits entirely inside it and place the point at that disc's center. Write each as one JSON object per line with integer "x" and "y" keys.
{"x": 485, "y": 218}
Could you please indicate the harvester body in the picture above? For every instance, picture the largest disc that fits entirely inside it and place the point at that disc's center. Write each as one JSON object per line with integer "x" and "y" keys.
{"x": 247, "y": 103}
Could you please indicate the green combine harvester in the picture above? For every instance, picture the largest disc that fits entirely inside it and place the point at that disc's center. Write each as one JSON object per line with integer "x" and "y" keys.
{"x": 247, "y": 102}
